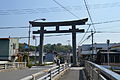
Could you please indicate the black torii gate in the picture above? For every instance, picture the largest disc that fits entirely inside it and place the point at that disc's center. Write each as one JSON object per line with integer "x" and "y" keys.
{"x": 57, "y": 25}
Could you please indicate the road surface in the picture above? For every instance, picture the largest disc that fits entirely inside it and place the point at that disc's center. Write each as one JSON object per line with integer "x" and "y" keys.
{"x": 75, "y": 73}
{"x": 19, "y": 74}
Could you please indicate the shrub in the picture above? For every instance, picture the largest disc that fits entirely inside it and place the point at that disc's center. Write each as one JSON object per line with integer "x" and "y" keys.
{"x": 29, "y": 65}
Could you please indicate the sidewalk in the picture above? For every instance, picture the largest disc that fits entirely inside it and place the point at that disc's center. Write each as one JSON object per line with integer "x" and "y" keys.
{"x": 75, "y": 73}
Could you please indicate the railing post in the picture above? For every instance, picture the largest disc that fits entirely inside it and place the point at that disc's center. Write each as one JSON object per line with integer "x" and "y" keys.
{"x": 5, "y": 66}
{"x": 33, "y": 77}
{"x": 59, "y": 69}
{"x": 64, "y": 67}
{"x": 98, "y": 74}
{"x": 92, "y": 72}
{"x": 25, "y": 64}
{"x": 18, "y": 65}
{"x": 50, "y": 75}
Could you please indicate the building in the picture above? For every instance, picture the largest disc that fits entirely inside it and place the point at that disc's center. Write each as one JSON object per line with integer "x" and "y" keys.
{"x": 85, "y": 50}
{"x": 50, "y": 57}
{"x": 101, "y": 53}
{"x": 34, "y": 55}
{"x": 113, "y": 56}
{"x": 8, "y": 48}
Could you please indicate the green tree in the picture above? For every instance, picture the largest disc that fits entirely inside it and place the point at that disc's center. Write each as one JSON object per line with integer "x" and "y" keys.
{"x": 22, "y": 47}
{"x": 57, "y": 47}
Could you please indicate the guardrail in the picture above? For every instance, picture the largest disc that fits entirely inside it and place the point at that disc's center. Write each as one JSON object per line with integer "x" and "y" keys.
{"x": 97, "y": 72}
{"x": 49, "y": 74}
{"x": 12, "y": 65}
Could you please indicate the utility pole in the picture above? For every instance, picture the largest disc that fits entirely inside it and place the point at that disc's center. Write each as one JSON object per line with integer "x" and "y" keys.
{"x": 29, "y": 35}
{"x": 92, "y": 45}
{"x": 108, "y": 43}
{"x": 69, "y": 52}
{"x": 95, "y": 48}
{"x": 29, "y": 42}
{"x": 43, "y": 19}
{"x": 34, "y": 38}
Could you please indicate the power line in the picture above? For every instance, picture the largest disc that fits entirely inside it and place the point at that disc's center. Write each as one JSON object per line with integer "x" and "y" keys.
{"x": 97, "y": 23}
{"x": 105, "y": 22}
{"x": 39, "y": 36}
{"x": 85, "y": 39}
{"x": 88, "y": 37}
{"x": 85, "y": 2}
{"x": 55, "y": 9}
{"x": 89, "y": 24}
{"x": 104, "y": 32}
{"x": 66, "y": 9}
{"x": 84, "y": 35}
{"x": 13, "y": 27}
{"x": 70, "y": 34}
{"x": 107, "y": 32}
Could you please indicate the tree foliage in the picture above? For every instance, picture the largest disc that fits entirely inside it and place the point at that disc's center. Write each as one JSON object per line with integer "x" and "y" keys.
{"x": 47, "y": 48}
{"x": 22, "y": 47}
{"x": 57, "y": 47}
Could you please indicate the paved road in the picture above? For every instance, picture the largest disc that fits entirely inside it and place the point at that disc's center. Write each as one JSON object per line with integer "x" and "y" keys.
{"x": 18, "y": 74}
{"x": 75, "y": 73}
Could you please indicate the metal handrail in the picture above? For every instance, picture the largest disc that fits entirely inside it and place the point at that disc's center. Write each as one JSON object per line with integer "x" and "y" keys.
{"x": 98, "y": 72}
{"x": 47, "y": 74}
{"x": 12, "y": 65}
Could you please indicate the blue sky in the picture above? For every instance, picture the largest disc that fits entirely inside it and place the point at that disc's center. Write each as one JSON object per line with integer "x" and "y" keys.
{"x": 17, "y": 13}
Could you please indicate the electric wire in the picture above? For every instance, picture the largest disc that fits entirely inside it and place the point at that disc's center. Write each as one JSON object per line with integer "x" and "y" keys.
{"x": 98, "y": 23}
{"x": 85, "y": 39}
{"x": 14, "y": 27}
{"x": 85, "y": 2}
{"x": 45, "y": 36}
{"x": 89, "y": 24}
{"x": 88, "y": 37}
{"x": 84, "y": 35}
{"x": 66, "y": 9}
{"x": 55, "y": 9}
{"x": 105, "y": 22}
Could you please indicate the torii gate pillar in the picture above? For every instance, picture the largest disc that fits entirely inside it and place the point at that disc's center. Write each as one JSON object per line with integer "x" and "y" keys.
{"x": 41, "y": 45}
{"x": 74, "y": 45}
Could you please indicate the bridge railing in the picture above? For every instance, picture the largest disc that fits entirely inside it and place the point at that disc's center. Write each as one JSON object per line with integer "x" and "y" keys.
{"x": 97, "y": 72}
{"x": 12, "y": 65}
{"x": 49, "y": 74}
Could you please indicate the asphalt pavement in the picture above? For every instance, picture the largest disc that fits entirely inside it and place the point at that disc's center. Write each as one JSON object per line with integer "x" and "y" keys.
{"x": 75, "y": 73}
{"x": 19, "y": 74}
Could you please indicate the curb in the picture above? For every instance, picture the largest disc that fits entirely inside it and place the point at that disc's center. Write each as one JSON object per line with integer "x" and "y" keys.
{"x": 12, "y": 69}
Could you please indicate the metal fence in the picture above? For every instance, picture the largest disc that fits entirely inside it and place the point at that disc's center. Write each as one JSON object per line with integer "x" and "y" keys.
{"x": 12, "y": 65}
{"x": 48, "y": 74}
{"x": 97, "y": 72}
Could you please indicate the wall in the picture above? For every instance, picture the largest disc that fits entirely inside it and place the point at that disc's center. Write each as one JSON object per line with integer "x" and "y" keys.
{"x": 13, "y": 47}
{"x": 4, "y": 48}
